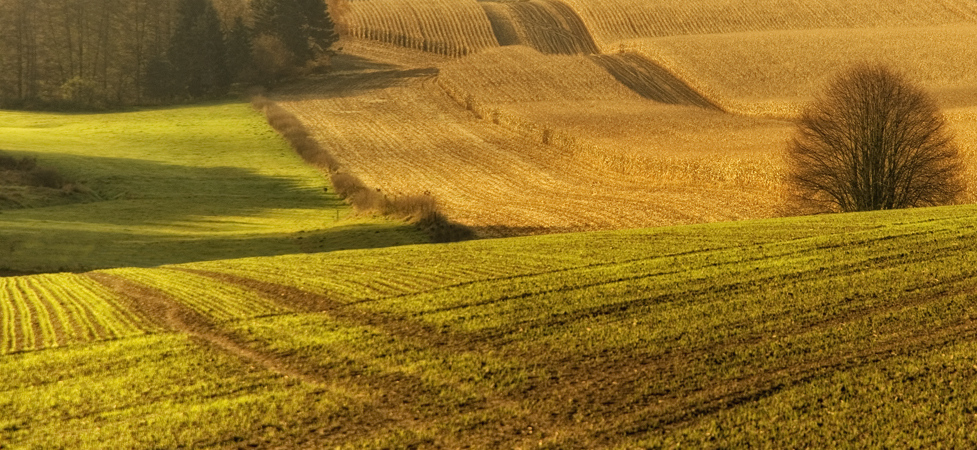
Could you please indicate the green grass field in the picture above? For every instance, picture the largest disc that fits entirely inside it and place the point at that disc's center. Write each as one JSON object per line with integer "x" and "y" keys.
{"x": 853, "y": 329}
{"x": 175, "y": 185}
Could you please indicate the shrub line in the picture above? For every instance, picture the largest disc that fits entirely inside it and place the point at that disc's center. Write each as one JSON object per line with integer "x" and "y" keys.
{"x": 419, "y": 209}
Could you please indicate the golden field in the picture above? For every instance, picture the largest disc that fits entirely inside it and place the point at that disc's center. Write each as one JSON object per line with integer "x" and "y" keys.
{"x": 546, "y": 115}
{"x": 775, "y": 73}
{"x": 612, "y": 21}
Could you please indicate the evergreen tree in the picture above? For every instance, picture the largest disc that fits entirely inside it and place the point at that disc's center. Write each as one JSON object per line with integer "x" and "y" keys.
{"x": 159, "y": 81}
{"x": 197, "y": 50}
{"x": 303, "y": 26}
{"x": 240, "y": 50}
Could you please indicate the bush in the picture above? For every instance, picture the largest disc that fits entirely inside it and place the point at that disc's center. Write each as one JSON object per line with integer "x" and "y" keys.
{"x": 81, "y": 93}
{"x": 872, "y": 141}
{"x": 48, "y": 178}
{"x": 23, "y": 164}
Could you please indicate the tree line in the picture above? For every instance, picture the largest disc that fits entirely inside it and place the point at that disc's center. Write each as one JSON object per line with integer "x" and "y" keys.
{"x": 106, "y": 53}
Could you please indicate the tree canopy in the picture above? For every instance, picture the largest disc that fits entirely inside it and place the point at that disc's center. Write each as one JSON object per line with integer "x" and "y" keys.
{"x": 303, "y": 26}
{"x": 104, "y": 53}
{"x": 874, "y": 140}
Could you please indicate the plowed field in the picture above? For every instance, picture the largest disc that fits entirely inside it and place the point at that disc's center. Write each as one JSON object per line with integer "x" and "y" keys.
{"x": 446, "y": 27}
{"x": 620, "y": 113}
{"x": 546, "y": 25}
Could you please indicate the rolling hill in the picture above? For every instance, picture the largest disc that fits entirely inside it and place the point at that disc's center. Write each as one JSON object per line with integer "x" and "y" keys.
{"x": 175, "y": 185}
{"x": 221, "y": 295}
{"x": 678, "y": 114}
{"x": 851, "y": 329}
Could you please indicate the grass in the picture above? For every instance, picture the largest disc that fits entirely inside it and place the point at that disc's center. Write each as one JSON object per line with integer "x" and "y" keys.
{"x": 777, "y": 332}
{"x": 161, "y": 391}
{"x": 61, "y": 309}
{"x": 176, "y": 185}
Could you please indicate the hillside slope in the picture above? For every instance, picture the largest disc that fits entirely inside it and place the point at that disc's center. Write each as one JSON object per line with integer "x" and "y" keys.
{"x": 504, "y": 163}
{"x": 613, "y": 21}
{"x": 176, "y": 185}
{"x": 700, "y": 137}
{"x": 854, "y": 329}
{"x": 775, "y": 73}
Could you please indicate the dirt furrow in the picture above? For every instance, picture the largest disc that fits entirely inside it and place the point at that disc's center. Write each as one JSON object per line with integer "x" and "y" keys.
{"x": 159, "y": 307}
{"x": 298, "y": 299}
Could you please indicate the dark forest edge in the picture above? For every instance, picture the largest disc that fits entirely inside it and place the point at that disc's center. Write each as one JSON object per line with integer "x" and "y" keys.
{"x": 107, "y": 54}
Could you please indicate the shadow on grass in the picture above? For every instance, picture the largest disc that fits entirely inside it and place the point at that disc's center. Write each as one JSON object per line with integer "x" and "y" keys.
{"x": 24, "y": 253}
{"x": 155, "y": 213}
{"x": 216, "y": 190}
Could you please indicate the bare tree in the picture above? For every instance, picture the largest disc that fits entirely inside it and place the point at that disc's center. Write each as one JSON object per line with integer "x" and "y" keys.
{"x": 872, "y": 141}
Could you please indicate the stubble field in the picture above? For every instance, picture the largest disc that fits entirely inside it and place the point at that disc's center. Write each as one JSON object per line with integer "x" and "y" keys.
{"x": 678, "y": 114}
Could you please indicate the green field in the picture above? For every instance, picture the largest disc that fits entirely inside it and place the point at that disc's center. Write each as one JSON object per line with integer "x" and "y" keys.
{"x": 175, "y": 185}
{"x": 853, "y": 329}
{"x": 187, "y": 277}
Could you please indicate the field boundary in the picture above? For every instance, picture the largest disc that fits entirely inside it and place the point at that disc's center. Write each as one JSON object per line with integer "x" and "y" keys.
{"x": 535, "y": 132}
{"x": 421, "y": 210}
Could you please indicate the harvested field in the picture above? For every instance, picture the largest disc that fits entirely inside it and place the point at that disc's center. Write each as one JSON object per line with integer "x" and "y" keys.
{"x": 519, "y": 74}
{"x": 650, "y": 80}
{"x": 400, "y": 132}
{"x": 446, "y": 27}
{"x": 616, "y": 20}
{"x": 545, "y": 25}
{"x": 772, "y": 73}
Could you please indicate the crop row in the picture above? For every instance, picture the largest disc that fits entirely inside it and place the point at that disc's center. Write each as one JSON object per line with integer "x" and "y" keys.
{"x": 632, "y": 328}
{"x": 546, "y": 25}
{"x": 43, "y": 311}
{"x": 616, "y": 20}
{"x": 212, "y": 298}
{"x": 520, "y": 75}
{"x": 358, "y": 281}
{"x": 427, "y": 143}
{"x": 604, "y": 146}
{"x": 767, "y": 73}
{"x": 551, "y": 263}
{"x": 461, "y": 27}
{"x": 447, "y": 27}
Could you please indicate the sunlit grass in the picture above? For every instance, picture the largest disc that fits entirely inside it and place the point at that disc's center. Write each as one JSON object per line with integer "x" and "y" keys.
{"x": 174, "y": 185}
{"x": 773, "y": 332}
